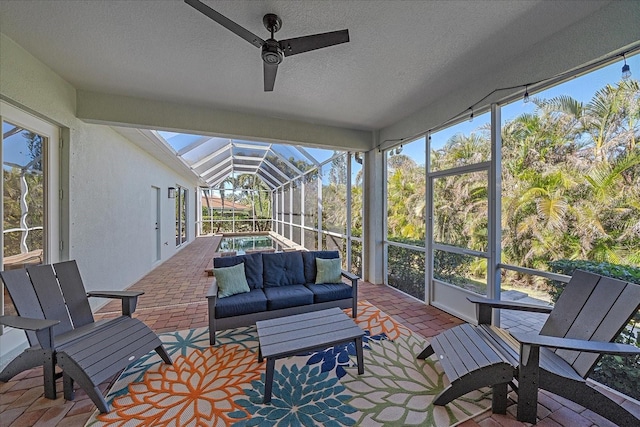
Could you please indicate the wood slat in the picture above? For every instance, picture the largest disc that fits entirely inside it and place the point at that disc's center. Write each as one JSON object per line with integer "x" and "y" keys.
{"x": 121, "y": 356}
{"x": 487, "y": 351}
{"x": 323, "y": 323}
{"x": 310, "y": 342}
{"x": 465, "y": 354}
{"x": 50, "y": 297}
{"x": 283, "y": 335}
{"x": 23, "y": 296}
{"x": 328, "y": 313}
{"x": 594, "y": 311}
{"x": 74, "y": 293}
{"x": 625, "y": 307}
{"x": 570, "y": 303}
{"x": 449, "y": 356}
{"x": 304, "y": 332}
{"x": 93, "y": 336}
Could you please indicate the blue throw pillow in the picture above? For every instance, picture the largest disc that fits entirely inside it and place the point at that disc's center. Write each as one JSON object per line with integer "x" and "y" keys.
{"x": 328, "y": 270}
{"x": 231, "y": 280}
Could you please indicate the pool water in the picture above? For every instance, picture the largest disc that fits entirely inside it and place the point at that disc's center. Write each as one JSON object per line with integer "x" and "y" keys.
{"x": 241, "y": 244}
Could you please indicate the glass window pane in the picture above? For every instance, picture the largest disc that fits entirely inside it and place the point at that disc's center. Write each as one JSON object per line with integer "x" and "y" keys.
{"x": 406, "y": 270}
{"x": 23, "y": 200}
{"x": 465, "y": 143}
{"x": 334, "y": 195}
{"x": 319, "y": 154}
{"x": 464, "y": 271}
{"x": 294, "y": 156}
{"x": 310, "y": 240}
{"x": 297, "y": 235}
{"x": 204, "y": 150}
{"x": 571, "y": 177}
{"x": 311, "y": 200}
{"x": 356, "y": 257}
{"x": 281, "y": 166}
{"x": 333, "y": 243}
{"x": 356, "y": 194}
{"x": 406, "y": 189}
{"x": 297, "y": 203}
{"x": 460, "y": 210}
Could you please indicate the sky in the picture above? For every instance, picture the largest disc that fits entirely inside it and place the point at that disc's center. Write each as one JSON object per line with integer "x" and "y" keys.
{"x": 581, "y": 88}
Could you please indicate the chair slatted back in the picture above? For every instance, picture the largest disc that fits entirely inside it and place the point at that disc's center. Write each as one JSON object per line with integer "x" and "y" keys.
{"x": 50, "y": 296}
{"x": 74, "y": 293}
{"x": 591, "y": 307}
{"x": 24, "y": 297}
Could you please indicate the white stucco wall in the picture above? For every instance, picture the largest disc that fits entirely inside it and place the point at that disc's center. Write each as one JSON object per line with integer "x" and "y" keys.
{"x": 112, "y": 208}
{"x": 110, "y": 205}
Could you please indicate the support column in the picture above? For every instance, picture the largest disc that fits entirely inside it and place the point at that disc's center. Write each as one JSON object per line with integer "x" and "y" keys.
{"x": 373, "y": 217}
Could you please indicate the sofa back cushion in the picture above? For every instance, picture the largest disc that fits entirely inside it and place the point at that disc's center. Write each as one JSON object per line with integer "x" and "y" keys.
{"x": 283, "y": 269}
{"x": 309, "y": 259}
{"x": 252, "y": 267}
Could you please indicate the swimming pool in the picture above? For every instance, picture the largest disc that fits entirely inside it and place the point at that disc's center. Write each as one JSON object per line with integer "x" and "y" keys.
{"x": 241, "y": 244}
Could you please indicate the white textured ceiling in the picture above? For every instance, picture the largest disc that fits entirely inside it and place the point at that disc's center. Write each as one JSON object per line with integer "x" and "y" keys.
{"x": 402, "y": 54}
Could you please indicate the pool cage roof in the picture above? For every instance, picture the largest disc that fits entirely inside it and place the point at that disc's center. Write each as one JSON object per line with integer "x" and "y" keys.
{"x": 214, "y": 159}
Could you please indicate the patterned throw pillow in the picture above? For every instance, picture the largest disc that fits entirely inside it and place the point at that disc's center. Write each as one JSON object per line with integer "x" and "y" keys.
{"x": 231, "y": 280}
{"x": 329, "y": 270}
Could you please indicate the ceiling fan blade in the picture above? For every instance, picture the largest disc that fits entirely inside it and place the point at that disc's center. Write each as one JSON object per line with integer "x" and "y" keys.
{"x": 270, "y": 71}
{"x": 226, "y": 22}
{"x": 317, "y": 41}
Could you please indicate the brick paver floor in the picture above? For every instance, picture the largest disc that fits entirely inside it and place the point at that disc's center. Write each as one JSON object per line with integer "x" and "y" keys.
{"x": 174, "y": 299}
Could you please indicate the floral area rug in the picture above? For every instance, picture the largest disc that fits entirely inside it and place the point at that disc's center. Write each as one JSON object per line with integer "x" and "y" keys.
{"x": 223, "y": 385}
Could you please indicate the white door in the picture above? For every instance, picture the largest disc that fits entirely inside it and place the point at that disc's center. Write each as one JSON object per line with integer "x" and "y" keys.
{"x": 155, "y": 223}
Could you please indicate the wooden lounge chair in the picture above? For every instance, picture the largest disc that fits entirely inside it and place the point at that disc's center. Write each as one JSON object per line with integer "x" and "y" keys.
{"x": 54, "y": 310}
{"x": 590, "y": 313}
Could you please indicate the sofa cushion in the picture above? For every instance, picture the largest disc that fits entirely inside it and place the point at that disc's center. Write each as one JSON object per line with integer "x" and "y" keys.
{"x": 288, "y": 296}
{"x": 330, "y": 292}
{"x": 309, "y": 259}
{"x": 231, "y": 280}
{"x": 328, "y": 270}
{"x": 252, "y": 267}
{"x": 236, "y": 305}
{"x": 283, "y": 269}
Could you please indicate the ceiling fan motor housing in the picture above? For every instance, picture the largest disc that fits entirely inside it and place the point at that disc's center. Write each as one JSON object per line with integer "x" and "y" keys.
{"x": 271, "y": 52}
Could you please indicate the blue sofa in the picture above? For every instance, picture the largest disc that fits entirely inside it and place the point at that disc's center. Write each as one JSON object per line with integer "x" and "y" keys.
{"x": 281, "y": 284}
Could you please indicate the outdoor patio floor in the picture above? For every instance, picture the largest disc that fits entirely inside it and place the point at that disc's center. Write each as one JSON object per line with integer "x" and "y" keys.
{"x": 174, "y": 299}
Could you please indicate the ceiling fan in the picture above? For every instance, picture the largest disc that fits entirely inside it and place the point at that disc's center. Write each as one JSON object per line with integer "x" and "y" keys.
{"x": 273, "y": 51}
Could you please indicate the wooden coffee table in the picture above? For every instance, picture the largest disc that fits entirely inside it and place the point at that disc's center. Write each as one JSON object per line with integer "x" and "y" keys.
{"x": 301, "y": 333}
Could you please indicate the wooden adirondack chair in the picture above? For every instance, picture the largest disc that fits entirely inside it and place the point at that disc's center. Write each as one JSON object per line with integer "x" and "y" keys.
{"x": 590, "y": 313}
{"x": 54, "y": 310}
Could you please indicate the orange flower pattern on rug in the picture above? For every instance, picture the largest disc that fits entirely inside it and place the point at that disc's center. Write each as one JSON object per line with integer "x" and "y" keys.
{"x": 198, "y": 389}
{"x": 371, "y": 319}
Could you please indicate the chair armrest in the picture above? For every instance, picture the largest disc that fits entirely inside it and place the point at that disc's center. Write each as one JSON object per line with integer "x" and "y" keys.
{"x": 42, "y": 327}
{"x": 484, "y": 307}
{"x": 352, "y": 277}
{"x": 604, "y": 347}
{"x": 27, "y": 323}
{"x": 129, "y": 299}
{"x": 213, "y": 289}
{"x": 115, "y": 294}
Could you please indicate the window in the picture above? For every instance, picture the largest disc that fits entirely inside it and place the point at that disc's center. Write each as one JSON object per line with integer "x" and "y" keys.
{"x": 570, "y": 177}
{"x": 181, "y": 215}
{"x": 30, "y": 218}
{"x": 406, "y": 221}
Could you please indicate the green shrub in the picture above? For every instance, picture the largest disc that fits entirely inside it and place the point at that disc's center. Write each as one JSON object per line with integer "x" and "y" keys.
{"x": 619, "y": 373}
{"x": 406, "y": 270}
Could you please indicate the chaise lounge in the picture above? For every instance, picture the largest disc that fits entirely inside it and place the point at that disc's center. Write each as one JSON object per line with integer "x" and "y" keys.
{"x": 590, "y": 313}
{"x": 54, "y": 310}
